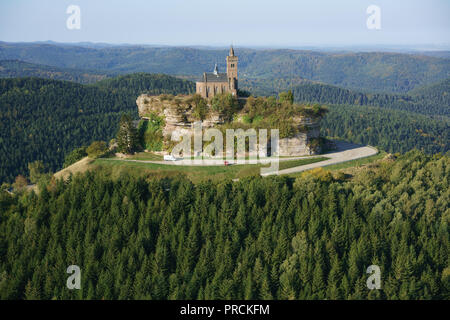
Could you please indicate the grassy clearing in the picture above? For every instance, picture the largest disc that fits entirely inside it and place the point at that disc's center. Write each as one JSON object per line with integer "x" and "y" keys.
{"x": 194, "y": 173}
{"x": 300, "y": 162}
{"x": 149, "y": 156}
{"x": 197, "y": 173}
{"x": 146, "y": 156}
{"x": 352, "y": 164}
{"x": 79, "y": 166}
{"x": 357, "y": 162}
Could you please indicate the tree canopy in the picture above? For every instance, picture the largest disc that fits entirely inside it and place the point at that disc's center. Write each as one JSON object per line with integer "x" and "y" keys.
{"x": 135, "y": 237}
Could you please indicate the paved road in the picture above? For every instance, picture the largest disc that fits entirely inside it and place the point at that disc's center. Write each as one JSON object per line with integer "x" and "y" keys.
{"x": 345, "y": 152}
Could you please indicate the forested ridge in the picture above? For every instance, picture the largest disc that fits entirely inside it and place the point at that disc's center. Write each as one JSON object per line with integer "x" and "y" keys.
{"x": 44, "y": 119}
{"x": 21, "y": 69}
{"x": 372, "y": 71}
{"x": 429, "y": 100}
{"x": 389, "y": 129}
{"x": 258, "y": 238}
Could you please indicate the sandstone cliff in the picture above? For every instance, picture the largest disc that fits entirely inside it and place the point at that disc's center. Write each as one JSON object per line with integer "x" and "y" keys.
{"x": 300, "y": 144}
{"x": 177, "y": 112}
{"x": 179, "y": 117}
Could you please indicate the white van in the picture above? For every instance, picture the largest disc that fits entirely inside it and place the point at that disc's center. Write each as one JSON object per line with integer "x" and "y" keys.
{"x": 169, "y": 158}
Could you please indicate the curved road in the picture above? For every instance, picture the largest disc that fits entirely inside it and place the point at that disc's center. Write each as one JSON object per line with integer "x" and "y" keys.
{"x": 345, "y": 152}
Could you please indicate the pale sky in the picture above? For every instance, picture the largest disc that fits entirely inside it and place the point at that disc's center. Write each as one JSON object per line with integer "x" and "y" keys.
{"x": 241, "y": 22}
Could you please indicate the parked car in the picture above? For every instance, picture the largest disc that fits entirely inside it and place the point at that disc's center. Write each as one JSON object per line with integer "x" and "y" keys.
{"x": 169, "y": 158}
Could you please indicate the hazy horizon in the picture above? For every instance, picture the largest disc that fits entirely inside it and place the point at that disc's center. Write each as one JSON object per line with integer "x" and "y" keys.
{"x": 410, "y": 24}
{"x": 324, "y": 47}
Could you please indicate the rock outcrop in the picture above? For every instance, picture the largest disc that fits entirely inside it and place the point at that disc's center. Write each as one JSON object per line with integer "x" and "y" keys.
{"x": 177, "y": 112}
{"x": 300, "y": 144}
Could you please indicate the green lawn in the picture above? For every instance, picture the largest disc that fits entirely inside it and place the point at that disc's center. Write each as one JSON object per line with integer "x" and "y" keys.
{"x": 300, "y": 162}
{"x": 348, "y": 164}
{"x": 146, "y": 156}
{"x": 357, "y": 162}
{"x": 197, "y": 173}
{"x": 156, "y": 157}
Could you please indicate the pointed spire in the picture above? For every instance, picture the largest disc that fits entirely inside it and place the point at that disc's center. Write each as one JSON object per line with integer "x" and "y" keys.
{"x": 216, "y": 70}
{"x": 231, "y": 51}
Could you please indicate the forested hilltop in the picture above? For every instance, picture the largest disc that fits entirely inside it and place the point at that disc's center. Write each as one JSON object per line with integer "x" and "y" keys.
{"x": 258, "y": 238}
{"x": 46, "y": 119}
{"x": 371, "y": 71}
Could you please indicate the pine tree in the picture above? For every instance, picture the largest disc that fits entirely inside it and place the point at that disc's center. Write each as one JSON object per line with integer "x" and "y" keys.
{"x": 127, "y": 135}
{"x": 248, "y": 289}
{"x": 36, "y": 169}
{"x": 318, "y": 283}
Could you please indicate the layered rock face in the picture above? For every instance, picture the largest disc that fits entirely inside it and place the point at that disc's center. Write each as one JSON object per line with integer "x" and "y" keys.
{"x": 177, "y": 112}
{"x": 299, "y": 145}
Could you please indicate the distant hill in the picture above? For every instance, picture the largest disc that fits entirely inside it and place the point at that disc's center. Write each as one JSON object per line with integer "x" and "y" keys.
{"x": 138, "y": 83}
{"x": 43, "y": 119}
{"x": 441, "y": 90}
{"x": 17, "y": 68}
{"x": 430, "y": 100}
{"x": 373, "y": 71}
{"x": 437, "y": 53}
{"x": 270, "y": 87}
